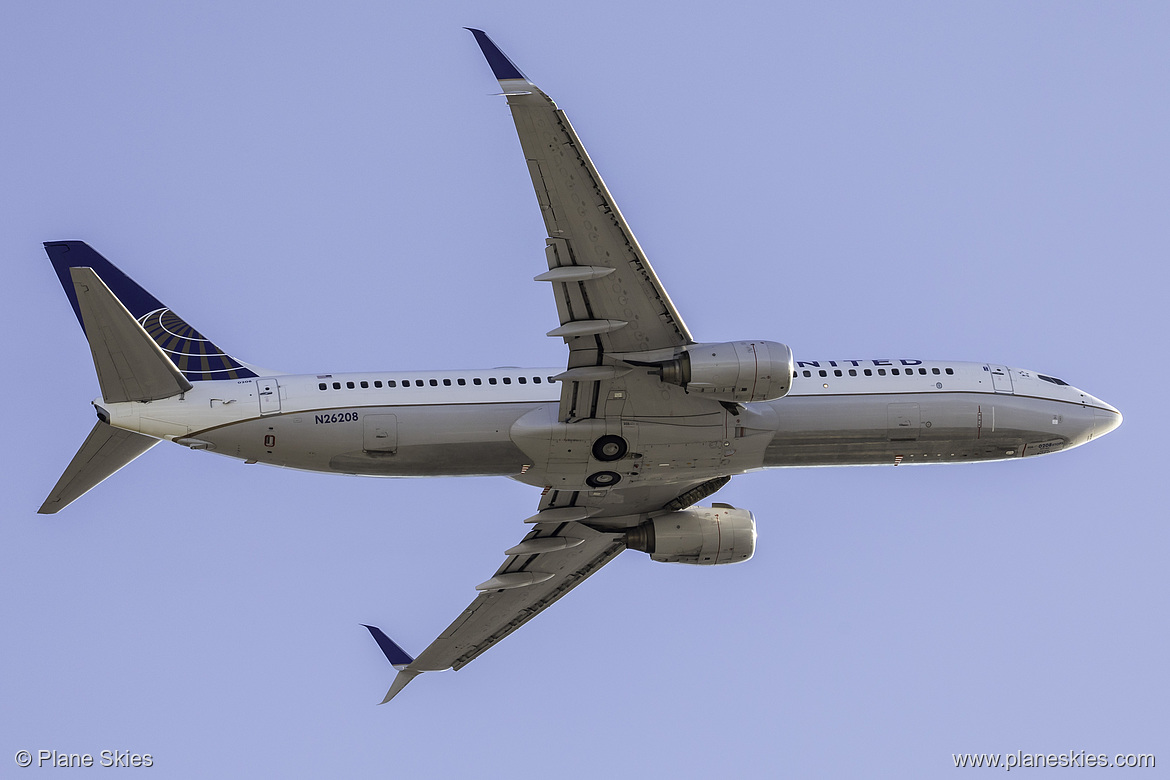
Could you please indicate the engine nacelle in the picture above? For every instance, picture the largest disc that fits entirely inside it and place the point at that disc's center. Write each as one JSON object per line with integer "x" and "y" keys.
{"x": 700, "y": 535}
{"x": 738, "y": 371}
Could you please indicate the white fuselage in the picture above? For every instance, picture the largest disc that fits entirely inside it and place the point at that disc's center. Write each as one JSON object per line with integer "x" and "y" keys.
{"x": 501, "y": 422}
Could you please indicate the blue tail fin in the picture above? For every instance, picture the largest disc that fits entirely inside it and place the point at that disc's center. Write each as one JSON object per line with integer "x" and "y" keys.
{"x": 197, "y": 357}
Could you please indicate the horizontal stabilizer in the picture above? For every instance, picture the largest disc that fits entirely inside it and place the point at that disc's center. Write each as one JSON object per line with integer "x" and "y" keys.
{"x": 105, "y": 450}
{"x": 130, "y": 364}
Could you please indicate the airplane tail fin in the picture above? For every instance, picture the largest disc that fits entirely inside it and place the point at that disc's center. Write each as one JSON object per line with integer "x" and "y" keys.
{"x": 104, "y": 451}
{"x": 130, "y": 365}
{"x": 193, "y": 357}
{"x": 142, "y": 351}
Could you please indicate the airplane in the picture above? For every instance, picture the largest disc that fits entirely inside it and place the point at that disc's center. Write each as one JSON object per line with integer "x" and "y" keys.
{"x": 641, "y": 423}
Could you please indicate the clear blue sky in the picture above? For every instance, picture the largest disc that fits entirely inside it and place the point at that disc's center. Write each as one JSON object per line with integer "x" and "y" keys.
{"x": 336, "y": 189}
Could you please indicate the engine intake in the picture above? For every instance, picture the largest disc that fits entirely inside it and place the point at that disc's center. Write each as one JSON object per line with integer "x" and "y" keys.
{"x": 700, "y": 535}
{"x": 738, "y": 371}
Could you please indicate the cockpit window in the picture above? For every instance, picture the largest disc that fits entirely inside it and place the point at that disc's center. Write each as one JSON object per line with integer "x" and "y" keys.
{"x": 1053, "y": 380}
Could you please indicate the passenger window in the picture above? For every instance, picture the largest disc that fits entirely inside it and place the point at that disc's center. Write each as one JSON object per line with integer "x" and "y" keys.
{"x": 461, "y": 382}
{"x": 950, "y": 371}
{"x": 377, "y": 383}
{"x": 894, "y": 371}
{"x": 934, "y": 370}
{"x": 551, "y": 380}
{"x": 477, "y": 381}
{"x": 522, "y": 380}
{"x": 365, "y": 385}
{"x": 807, "y": 373}
{"x": 923, "y": 371}
{"x": 869, "y": 372}
{"x": 337, "y": 385}
{"x": 853, "y": 372}
{"x": 823, "y": 372}
{"x": 391, "y": 383}
{"x": 349, "y": 385}
{"x": 434, "y": 383}
{"x": 837, "y": 372}
{"x": 536, "y": 380}
{"x": 418, "y": 383}
{"x": 491, "y": 380}
{"x": 507, "y": 380}
{"x": 321, "y": 386}
{"x": 446, "y": 383}
{"x": 881, "y": 372}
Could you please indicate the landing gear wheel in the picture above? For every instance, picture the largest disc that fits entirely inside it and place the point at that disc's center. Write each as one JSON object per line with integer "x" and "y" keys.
{"x": 610, "y": 448}
{"x": 603, "y": 479}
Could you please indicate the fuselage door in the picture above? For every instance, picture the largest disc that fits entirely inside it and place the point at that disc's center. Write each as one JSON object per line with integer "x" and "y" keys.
{"x": 380, "y": 433}
{"x": 1001, "y": 379}
{"x": 268, "y": 392}
{"x": 902, "y": 422}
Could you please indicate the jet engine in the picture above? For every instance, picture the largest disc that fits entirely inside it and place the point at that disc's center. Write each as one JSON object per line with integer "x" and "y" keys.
{"x": 737, "y": 371}
{"x": 700, "y": 535}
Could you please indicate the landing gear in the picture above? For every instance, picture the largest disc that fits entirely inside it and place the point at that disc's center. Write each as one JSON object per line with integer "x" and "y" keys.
{"x": 610, "y": 448}
{"x": 603, "y": 479}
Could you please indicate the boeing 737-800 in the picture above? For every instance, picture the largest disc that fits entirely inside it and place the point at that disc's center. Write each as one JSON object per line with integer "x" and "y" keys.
{"x": 641, "y": 423}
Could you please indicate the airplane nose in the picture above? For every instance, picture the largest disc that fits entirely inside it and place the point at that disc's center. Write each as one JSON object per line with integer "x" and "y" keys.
{"x": 1105, "y": 420}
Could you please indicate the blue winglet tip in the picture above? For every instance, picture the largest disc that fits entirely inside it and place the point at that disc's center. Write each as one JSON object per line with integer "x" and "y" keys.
{"x": 503, "y": 68}
{"x": 394, "y": 654}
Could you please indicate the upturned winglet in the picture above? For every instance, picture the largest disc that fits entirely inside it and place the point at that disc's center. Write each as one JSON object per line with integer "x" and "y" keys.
{"x": 503, "y": 68}
{"x": 398, "y": 658}
{"x": 400, "y": 681}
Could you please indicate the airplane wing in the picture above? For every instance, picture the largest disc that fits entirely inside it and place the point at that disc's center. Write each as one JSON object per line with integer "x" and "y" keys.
{"x": 610, "y": 301}
{"x": 608, "y": 297}
{"x": 552, "y": 559}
